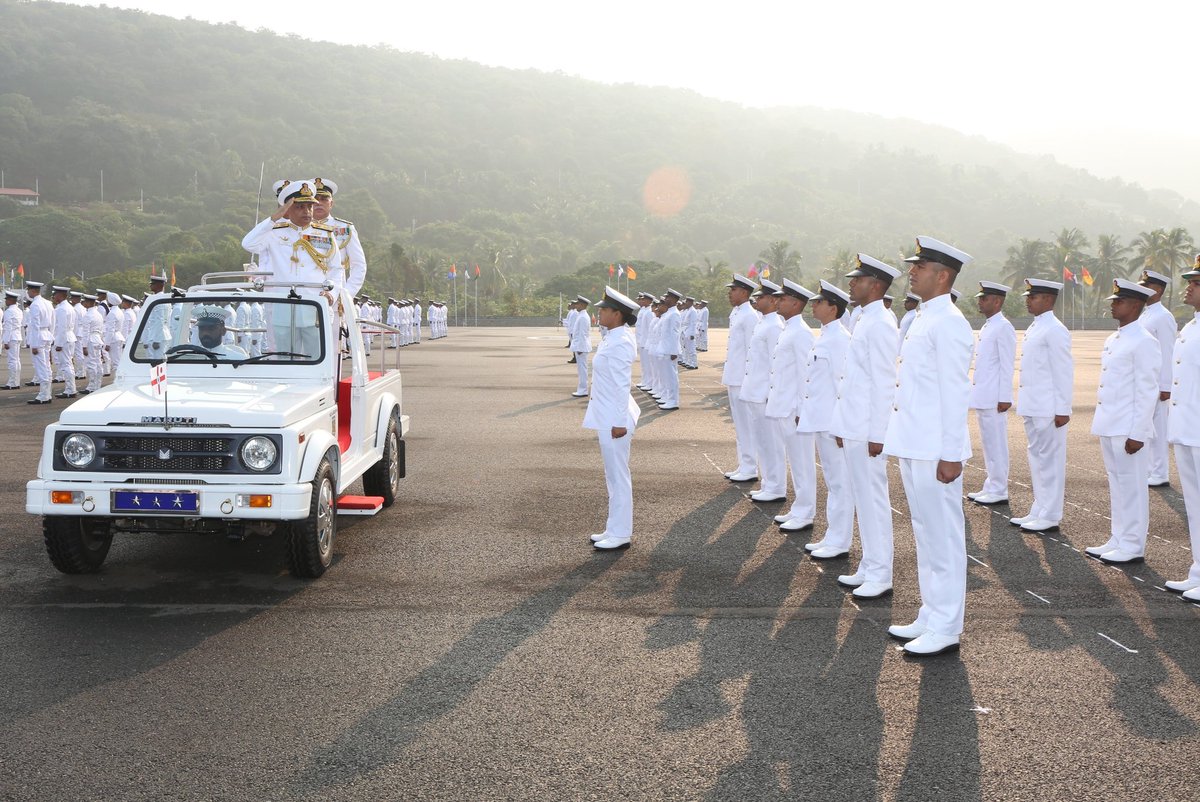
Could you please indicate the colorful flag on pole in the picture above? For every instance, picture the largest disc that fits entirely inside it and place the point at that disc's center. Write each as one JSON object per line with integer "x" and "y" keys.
{"x": 611, "y": 270}
{"x": 631, "y": 273}
{"x": 21, "y": 270}
{"x": 453, "y": 271}
{"x": 1087, "y": 277}
{"x": 172, "y": 274}
{"x": 158, "y": 379}
{"x": 752, "y": 272}
{"x": 476, "y": 271}
{"x": 1068, "y": 276}
{"x": 620, "y": 271}
{"x": 766, "y": 271}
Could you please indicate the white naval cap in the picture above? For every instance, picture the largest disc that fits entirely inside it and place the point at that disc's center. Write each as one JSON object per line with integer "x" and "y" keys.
{"x": 1194, "y": 273}
{"x": 912, "y": 296}
{"x": 35, "y": 285}
{"x": 57, "y": 288}
{"x": 872, "y": 267}
{"x": 12, "y": 294}
{"x": 128, "y": 298}
{"x": 741, "y": 281}
{"x": 278, "y": 185}
{"x": 579, "y": 299}
{"x": 618, "y": 301}
{"x": 992, "y": 288}
{"x": 298, "y": 191}
{"x": 162, "y": 279}
{"x": 1124, "y": 288}
{"x": 1034, "y": 286}
{"x": 1154, "y": 277}
{"x": 771, "y": 288}
{"x": 954, "y": 295}
{"x": 670, "y": 292}
{"x": 934, "y": 250}
{"x": 209, "y": 314}
{"x": 796, "y": 291}
{"x": 833, "y": 293}
{"x": 325, "y": 187}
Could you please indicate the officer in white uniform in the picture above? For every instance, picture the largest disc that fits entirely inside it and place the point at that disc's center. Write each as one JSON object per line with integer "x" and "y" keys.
{"x": 992, "y": 389}
{"x": 789, "y": 368}
{"x": 772, "y": 464}
{"x": 416, "y": 321}
{"x": 887, "y": 304}
{"x": 860, "y": 421}
{"x": 1124, "y": 422}
{"x": 641, "y": 330}
{"x": 1047, "y": 376}
{"x": 102, "y": 304}
{"x": 691, "y": 320}
{"x": 928, "y": 434}
{"x": 743, "y": 317}
{"x": 393, "y": 319}
{"x": 910, "y": 311}
{"x": 669, "y": 328}
{"x": 827, "y": 363}
{"x": 79, "y": 358}
{"x": 64, "y": 340}
{"x": 581, "y": 343}
{"x": 1159, "y": 321}
{"x": 851, "y": 321}
{"x": 92, "y": 332}
{"x": 114, "y": 328}
{"x": 11, "y": 335}
{"x": 1183, "y": 432}
{"x": 354, "y": 260}
{"x": 613, "y": 413}
{"x": 653, "y": 366}
{"x": 702, "y": 325}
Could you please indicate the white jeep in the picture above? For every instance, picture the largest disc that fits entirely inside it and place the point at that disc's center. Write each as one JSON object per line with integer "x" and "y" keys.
{"x": 262, "y": 428}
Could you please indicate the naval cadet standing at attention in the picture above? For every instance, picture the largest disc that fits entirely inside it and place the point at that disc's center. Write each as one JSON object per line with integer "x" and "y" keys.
{"x": 1124, "y": 422}
{"x": 581, "y": 343}
{"x": 742, "y": 320}
{"x": 1159, "y": 321}
{"x": 613, "y": 413}
{"x": 992, "y": 390}
{"x": 1182, "y": 430}
{"x": 928, "y": 434}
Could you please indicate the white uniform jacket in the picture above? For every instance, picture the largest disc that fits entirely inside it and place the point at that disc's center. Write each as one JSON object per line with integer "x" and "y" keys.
{"x": 757, "y": 381}
{"x": 995, "y": 358}
{"x": 868, "y": 384}
{"x": 280, "y": 251}
{"x": 11, "y": 334}
{"x": 354, "y": 261}
{"x": 1185, "y": 387}
{"x": 1047, "y": 369}
{"x": 581, "y": 333}
{"x": 64, "y": 325}
{"x": 1162, "y": 326}
{"x": 789, "y": 368}
{"x": 906, "y": 321}
{"x": 610, "y": 403}
{"x": 39, "y": 323}
{"x": 93, "y": 327}
{"x": 929, "y": 413}
{"x": 742, "y": 320}
{"x": 1128, "y": 390}
{"x": 642, "y": 330}
{"x": 702, "y": 320}
{"x": 827, "y": 362}
{"x": 669, "y": 326}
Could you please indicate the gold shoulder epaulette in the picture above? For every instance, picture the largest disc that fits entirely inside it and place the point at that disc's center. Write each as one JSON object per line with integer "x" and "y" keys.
{"x": 322, "y": 227}
{"x": 343, "y": 220}
{"x": 280, "y": 224}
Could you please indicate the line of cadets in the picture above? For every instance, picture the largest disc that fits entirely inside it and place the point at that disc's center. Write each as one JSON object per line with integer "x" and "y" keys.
{"x": 869, "y": 387}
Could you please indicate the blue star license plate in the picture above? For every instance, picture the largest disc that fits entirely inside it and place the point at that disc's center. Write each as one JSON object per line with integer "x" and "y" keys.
{"x": 156, "y": 502}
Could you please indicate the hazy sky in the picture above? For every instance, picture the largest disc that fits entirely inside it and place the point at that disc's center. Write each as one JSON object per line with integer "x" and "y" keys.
{"x": 1053, "y": 76}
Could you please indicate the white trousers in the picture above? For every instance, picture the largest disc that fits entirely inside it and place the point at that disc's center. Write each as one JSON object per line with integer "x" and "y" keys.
{"x": 66, "y": 365}
{"x": 702, "y": 339}
{"x": 869, "y": 488}
{"x": 802, "y": 464}
{"x": 1129, "y": 494}
{"x": 641, "y": 353}
{"x": 940, "y": 533}
{"x": 79, "y": 360}
{"x": 581, "y": 358}
{"x": 1187, "y": 462}
{"x": 993, "y": 430}
{"x": 772, "y": 464}
{"x": 1047, "y": 467}
{"x": 743, "y": 433}
{"x": 13, "y": 355}
{"x": 620, "y": 484}
{"x": 689, "y": 350}
{"x": 1159, "y": 464}
{"x": 41, "y": 370}
{"x": 670, "y": 382}
{"x": 839, "y": 498}
{"x": 94, "y": 367}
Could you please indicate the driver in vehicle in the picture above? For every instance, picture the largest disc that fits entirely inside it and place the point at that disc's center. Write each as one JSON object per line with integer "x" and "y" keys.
{"x": 210, "y": 330}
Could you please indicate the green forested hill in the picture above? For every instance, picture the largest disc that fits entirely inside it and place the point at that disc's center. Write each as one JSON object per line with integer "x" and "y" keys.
{"x": 530, "y": 175}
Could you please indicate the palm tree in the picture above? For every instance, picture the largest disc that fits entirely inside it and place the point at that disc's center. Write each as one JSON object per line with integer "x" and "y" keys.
{"x": 1111, "y": 261}
{"x": 714, "y": 268}
{"x": 1026, "y": 259}
{"x": 780, "y": 256}
{"x": 1067, "y": 251}
{"x": 1177, "y": 250}
{"x": 842, "y": 263}
{"x": 1148, "y": 251}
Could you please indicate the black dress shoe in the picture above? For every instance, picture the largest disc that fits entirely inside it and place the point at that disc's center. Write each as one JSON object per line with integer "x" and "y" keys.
{"x": 65, "y": 395}
{"x": 85, "y": 392}
{"x": 31, "y": 384}
{"x": 571, "y": 361}
{"x": 37, "y": 401}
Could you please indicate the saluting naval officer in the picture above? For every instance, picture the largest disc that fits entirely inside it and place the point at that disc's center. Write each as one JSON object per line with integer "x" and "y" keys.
{"x": 860, "y": 421}
{"x": 670, "y": 328}
{"x": 772, "y": 462}
{"x": 581, "y": 343}
{"x": 827, "y": 363}
{"x": 1183, "y": 432}
{"x": 1159, "y": 321}
{"x": 613, "y": 413}
{"x": 1047, "y": 378}
{"x": 743, "y": 317}
{"x": 992, "y": 389}
{"x": 789, "y": 369}
{"x": 1124, "y": 422}
{"x": 928, "y": 434}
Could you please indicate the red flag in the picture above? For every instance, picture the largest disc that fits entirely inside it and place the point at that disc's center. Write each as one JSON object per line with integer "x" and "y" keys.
{"x": 476, "y": 271}
{"x": 21, "y": 270}
{"x": 172, "y": 275}
{"x": 1087, "y": 277}
{"x": 611, "y": 270}
{"x": 153, "y": 268}
{"x": 1068, "y": 276}
{"x": 752, "y": 272}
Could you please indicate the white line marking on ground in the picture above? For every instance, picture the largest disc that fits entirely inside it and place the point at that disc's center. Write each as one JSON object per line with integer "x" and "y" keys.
{"x": 978, "y": 709}
{"x": 1039, "y": 598}
{"x": 1139, "y": 579}
{"x": 981, "y": 562}
{"x": 1159, "y": 587}
{"x": 1123, "y": 646}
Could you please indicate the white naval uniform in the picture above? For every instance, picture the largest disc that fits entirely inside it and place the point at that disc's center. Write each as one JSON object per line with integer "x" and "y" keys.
{"x": 80, "y": 359}
{"x": 851, "y": 320}
{"x": 641, "y": 332}
{"x": 611, "y": 406}
{"x": 581, "y": 346}
{"x": 39, "y": 332}
{"x": 928, "y": 425}
{"x": 393, "y": 320}
{"x": 668, "y": 346}
{"x": 354, "y": 260}
{"x": 742, "y": 320}
{"x": 652, "y": 370}
{"x": 992, "y": 385}
{"x": 1159, "y": 321}
{"x": 906, "y": 321}
{"x": 789, "y": 368}
{"x": 363, "y": 312}
{"x": 93, "y": 343}
{"x": 114, "y": 333}
{"x": 772, "y": 465}
{"x": 64, "y": 344}
{"x": 1047, "y": 376}
{"x": 1183, "y": 432}
{"x": 1125, "y": 401}
{"x": 827, "y": 362}
{"x": 11, "y": 336}
{"x": 690, "y": 323}
{"x": 702, "y": 330}
{"x": 860, "y": 417}
{"x": 105, "y": 357}
{"x": 416, "y": 323}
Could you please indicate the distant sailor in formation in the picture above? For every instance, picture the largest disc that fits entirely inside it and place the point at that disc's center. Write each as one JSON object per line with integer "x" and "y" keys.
{"x": 64, "y": 340}
{"x": 11, "y": 336}
{"x": 742, "y": 320}
{"x": 992, "y": 389}
{"x": 581, "y": 343}
{"x": 1159, "y": 321}
{"x": 756, "y": 384}
{"x": 613, "y": 413}
{"x": 789, "y": 369}
{"x": 702, "y": 325}
{"x": 1182, "y": 430}
{"x": 669, "y": 332}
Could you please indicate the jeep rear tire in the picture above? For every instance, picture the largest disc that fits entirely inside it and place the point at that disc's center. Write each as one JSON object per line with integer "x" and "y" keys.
{"x": 310, "y": 541}
{"x": 76, "y": 545}
{"x": 383, "y": 478}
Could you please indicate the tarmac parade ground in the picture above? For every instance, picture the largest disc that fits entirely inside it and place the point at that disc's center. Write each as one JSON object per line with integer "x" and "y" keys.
{"x": 468, "y": 644}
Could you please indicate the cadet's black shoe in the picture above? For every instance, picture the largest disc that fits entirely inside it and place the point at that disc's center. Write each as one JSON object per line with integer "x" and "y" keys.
{"x": 65, "y": 395}
{"x": 37, "y": 401}
{"x": 31, "y": 384}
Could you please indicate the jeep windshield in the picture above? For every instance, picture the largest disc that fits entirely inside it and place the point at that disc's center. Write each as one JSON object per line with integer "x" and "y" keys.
{"x": 230, "y": 329}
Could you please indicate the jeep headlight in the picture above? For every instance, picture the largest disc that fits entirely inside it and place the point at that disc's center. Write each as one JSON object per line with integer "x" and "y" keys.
{"x": 79, "y": 450}
{"x": 259, "y": 453}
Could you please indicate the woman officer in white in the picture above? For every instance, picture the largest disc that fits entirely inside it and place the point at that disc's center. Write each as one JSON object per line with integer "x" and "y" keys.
{"x": 613, "y": 413}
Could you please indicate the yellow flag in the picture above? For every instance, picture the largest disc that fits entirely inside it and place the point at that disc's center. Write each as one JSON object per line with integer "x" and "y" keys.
{"x": 629, "y": 271}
